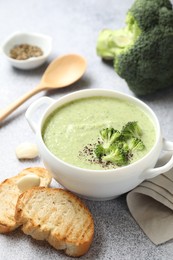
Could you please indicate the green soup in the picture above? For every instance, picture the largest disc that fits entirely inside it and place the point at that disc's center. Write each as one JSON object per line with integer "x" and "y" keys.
{"x": 76, "y": 125}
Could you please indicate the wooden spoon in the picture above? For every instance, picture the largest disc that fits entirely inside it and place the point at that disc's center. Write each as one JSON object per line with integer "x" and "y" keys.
{"x": 61, "y": 73}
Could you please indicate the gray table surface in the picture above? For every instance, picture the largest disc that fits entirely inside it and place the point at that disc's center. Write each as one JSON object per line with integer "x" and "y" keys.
{"x": 74, "y": 27}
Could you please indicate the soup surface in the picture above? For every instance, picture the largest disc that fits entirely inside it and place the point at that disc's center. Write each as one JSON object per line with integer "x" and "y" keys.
{"x": 70, "y": 131}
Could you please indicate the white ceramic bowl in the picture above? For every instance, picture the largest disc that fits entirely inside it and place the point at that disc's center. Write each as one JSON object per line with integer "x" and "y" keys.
{"x": 40, "y": 40}
{"x": 98, "y": 184}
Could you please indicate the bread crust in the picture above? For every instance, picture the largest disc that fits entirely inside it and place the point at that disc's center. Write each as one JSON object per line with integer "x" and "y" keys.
{"x": 9, "y": 193}
{"x": 57, "y": 216}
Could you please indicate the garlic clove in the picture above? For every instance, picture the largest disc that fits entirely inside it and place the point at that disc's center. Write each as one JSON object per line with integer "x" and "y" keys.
{"x": 26, "y": 150}
{"x": 28, "y": 181}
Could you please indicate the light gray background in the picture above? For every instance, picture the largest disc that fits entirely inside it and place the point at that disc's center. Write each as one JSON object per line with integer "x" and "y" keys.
{"x": 74, "y": 27}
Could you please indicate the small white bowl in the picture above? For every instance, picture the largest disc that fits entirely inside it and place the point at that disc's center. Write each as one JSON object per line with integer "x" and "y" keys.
{"x": 40, "y": 40}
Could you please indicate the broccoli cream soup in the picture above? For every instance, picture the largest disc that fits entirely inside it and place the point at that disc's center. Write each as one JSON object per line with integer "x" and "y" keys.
{"x": 99, "y": 133}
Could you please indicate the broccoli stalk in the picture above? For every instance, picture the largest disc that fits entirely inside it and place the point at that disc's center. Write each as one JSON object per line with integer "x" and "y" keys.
{"x": 112, "y": 43}
{"x": 143, "y": 50}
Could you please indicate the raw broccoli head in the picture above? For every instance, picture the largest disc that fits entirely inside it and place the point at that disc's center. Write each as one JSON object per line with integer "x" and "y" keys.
{"x": 143, "y": 50}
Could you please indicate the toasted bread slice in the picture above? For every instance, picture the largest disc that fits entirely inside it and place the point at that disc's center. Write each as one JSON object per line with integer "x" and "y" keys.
{"x": 9, "y": 193}
{"x": 57, "y": 216}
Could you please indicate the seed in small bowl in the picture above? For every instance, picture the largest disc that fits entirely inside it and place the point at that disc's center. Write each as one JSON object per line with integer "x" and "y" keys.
{"x": 25, "y": 51}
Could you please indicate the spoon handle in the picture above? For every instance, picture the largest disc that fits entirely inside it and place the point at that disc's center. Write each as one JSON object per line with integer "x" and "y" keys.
{"x": 13, "y": 106}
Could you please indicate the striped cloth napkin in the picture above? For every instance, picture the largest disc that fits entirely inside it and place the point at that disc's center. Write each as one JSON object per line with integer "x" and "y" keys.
{"x": 151, "y": 205}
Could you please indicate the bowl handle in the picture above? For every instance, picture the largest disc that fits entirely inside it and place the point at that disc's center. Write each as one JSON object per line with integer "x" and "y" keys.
{"x": 151, "y": 173}
{"x": 40, "y": 104}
